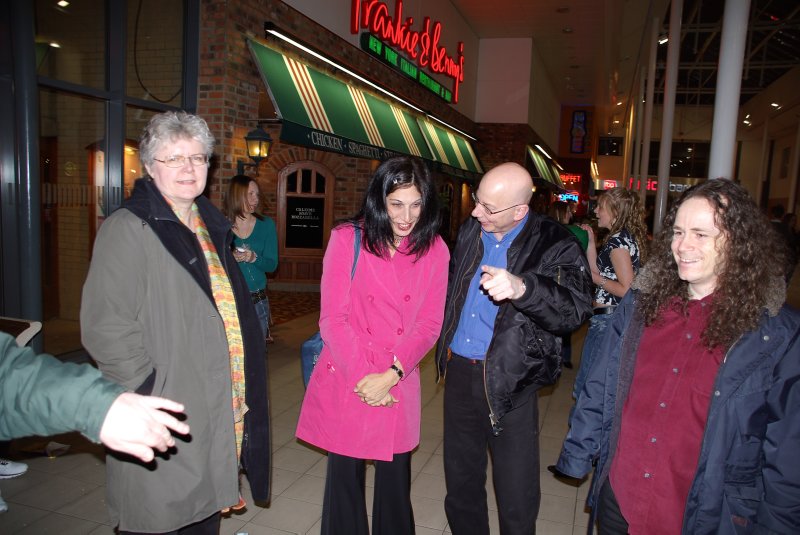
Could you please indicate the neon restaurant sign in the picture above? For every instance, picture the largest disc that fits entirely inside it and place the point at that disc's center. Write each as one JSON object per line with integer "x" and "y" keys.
{"x": 387, "y": 35}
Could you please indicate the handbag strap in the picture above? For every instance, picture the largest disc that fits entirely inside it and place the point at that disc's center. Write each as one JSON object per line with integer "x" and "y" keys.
{"x": 356, "y": 250}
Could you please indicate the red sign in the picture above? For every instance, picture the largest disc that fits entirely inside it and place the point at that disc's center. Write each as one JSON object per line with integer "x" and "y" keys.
{"x": 422, "y": 46}
{"x": 570, "y": 178}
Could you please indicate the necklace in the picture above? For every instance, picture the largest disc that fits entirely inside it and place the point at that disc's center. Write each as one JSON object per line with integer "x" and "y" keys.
{"x": 397, "y": 241}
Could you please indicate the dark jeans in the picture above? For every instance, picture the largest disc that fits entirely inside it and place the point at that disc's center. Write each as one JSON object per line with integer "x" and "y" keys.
{"x": 209, "y": 526}
{"x": 344, "y": 510}
{"x": 609, "y": 518}
{"x": 515, "y": 456}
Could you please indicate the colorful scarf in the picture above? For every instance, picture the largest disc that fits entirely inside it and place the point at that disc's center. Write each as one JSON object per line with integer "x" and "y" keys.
{"x": 226, "y": 305}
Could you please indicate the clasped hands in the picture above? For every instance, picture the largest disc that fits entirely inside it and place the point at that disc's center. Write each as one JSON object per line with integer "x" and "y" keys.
{"x": 373, "y": 389}
{"x": 247, "y": 256}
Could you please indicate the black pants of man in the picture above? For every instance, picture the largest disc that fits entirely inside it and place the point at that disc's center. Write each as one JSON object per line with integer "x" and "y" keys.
{"x": 609, "y": 518}
{"x": 209, "y": 526}
{"x": 344, "y": 509}
{"x": 515, "y": 456}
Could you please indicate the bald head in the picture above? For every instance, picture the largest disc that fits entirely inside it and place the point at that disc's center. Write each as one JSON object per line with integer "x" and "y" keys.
{"x": 509, "y": 183}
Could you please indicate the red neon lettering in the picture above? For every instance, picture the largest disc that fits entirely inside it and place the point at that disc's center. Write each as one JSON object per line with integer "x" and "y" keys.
{"x": 422, "y": 46}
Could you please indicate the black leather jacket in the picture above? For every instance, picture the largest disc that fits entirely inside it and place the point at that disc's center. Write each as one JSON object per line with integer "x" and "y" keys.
{"x": 525, "y": 351}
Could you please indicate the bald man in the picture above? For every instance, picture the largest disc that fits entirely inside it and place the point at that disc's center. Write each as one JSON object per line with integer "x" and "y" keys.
{"x": 518, "y": 281}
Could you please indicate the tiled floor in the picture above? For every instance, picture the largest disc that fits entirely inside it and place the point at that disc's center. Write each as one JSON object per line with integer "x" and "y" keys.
{"x": 65, "y": 495}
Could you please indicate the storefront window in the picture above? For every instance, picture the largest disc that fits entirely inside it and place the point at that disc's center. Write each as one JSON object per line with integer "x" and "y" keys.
{"x": 154, "y": 62}
{"x": 72, "y": 168}
{"x": 71, "y": 41}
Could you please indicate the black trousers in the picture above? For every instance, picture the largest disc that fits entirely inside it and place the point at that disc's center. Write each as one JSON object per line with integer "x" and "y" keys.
{"x": 515, "y": 456}
{"x": 344, "y": 509}
{"x": 209, "y": 526}
{"x": 609, "y": 518}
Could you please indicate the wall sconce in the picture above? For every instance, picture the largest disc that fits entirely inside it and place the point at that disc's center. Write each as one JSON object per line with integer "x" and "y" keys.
{"x": 258, "y": 144}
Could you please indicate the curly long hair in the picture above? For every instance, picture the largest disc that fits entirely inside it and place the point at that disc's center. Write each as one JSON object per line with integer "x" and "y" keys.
{"x": 751, "y": 264}
{"x": 628, "y": 214}
{"x": 373, "y": 217}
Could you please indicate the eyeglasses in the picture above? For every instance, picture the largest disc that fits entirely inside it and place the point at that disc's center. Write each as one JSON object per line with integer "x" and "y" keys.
{"x": 486, "y": 208}
{"x": 179, "y": 161}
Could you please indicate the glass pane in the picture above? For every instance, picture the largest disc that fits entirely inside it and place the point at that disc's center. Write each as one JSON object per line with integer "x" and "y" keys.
{"x": 155, "y": 51}
{"x": 306, "y": 185}
{"x": 71, "y": 41}
{"x": 72, "y": 168}
{"x": 291, "y": 183}
{"x": 135, "y": 121}
{"x": 320, "y": 183}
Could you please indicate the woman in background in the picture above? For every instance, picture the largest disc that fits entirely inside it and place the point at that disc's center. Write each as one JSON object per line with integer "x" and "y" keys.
{"x": 613, "y": 266}
{"x": 255, "y": 243}
{"x": 562, "y": 212}
{"x": 363, "y": 400}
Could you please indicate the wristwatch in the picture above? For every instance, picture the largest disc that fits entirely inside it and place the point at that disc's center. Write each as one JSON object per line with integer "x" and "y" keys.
{"x": 397, "y": 370}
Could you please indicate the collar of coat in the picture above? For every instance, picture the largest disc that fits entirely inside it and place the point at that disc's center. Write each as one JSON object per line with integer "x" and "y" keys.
{"x": 147, "y": 203}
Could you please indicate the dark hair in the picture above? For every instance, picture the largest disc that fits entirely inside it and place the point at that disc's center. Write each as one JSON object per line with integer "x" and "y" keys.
{"x": 628, "y": 214}
{"x": 559, "y": 211}
{"x": 373, "y": 217}
{"x": 237, "y": 195}
{"x": 745, "y": 272}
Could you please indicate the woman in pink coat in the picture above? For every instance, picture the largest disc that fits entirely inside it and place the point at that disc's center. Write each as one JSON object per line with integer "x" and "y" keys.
{"x": 363, "y": 400}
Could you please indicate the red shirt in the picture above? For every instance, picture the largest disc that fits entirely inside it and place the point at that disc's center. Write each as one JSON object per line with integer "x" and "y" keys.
{"x": 663, "y": 420}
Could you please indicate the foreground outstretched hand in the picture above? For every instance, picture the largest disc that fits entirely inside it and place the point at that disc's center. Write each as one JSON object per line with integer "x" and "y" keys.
{"x": 500, "y": 284}
{"x": 137, "y": 425}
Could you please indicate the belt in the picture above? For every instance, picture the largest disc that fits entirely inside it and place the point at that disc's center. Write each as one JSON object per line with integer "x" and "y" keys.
{"x": 605, "y": 310}
{"x": 258, "y": 296}
{"x": 467, "y": 359}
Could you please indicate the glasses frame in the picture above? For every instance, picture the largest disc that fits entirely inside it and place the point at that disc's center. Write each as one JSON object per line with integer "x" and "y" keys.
{"x": 184, "y": 159}
{"x": 486, "y": 208}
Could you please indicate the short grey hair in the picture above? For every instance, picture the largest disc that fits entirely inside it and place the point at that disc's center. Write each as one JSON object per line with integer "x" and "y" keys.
{"x": 169, "y": 127}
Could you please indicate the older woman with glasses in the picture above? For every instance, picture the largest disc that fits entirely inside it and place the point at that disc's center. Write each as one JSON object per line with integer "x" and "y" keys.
{"x": 166, "y": 311}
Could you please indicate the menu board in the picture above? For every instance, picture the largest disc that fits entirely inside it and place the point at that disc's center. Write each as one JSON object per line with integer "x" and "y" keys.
{"x": 304, "y": 222}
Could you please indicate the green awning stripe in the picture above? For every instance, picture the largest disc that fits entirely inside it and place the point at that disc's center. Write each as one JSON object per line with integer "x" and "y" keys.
{"x": 310, "y": 98}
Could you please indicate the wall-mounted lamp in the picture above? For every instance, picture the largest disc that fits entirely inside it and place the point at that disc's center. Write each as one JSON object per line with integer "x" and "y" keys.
{"x": 258, "y": 144}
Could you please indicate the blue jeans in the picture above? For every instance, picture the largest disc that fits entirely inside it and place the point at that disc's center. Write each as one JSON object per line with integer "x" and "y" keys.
{"x": 262, "y": 311}
{"x": 591, "y": 344}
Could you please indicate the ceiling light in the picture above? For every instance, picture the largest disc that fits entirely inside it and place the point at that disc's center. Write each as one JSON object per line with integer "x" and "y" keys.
{"x": 619, "y": 103}
{"x": 63, "y": 3}
{"x": 776, "y": 105}
{"x": 616, "y": 121}
{"x": 747, "y": 122}
{"x": 55, "y": 45}
{"x": 690, "y": 149}
{"x": 747, "y": 116}
{"x": 663, "y": 39}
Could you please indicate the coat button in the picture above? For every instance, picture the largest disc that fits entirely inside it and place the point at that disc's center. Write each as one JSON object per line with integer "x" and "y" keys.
{"x": 766, "y": 338}
{"x": 399, "y": 331}
{"x": 370, "y": 298}
{"x": 407, "y": 298}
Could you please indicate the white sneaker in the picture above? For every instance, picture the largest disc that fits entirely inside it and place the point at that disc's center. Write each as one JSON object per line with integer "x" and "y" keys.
{"x": 9, "y": 469}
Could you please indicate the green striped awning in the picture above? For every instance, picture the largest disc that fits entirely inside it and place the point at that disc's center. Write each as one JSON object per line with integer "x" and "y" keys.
{"x": 545, "y": 168}
{"x": 449, "y": 147}
{"x": 320, "y": 111}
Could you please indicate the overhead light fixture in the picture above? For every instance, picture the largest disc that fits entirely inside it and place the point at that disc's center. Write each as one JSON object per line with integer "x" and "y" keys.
{"x": 747, "y": 116}
{"x": 747, "y": 122}
{"x": 558, "y": 165}
{"x": 616, "y": 121}
{"x": 269, "y": 28}
{"x": 619, "y": 103}
{"x": 543, "y": 151}
{"x": 55, "y": 45}
{"x": 62, "y": 3}
{"x": 258, "y": 144}
{"x": 663, "y": 39}
{"x": 775, "y": 105}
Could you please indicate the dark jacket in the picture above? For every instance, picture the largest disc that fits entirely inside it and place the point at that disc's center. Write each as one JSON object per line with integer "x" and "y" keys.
{"x": 747, "y": 474}
{"x": 149, "y": 320}
{"x": 525, "y": 351}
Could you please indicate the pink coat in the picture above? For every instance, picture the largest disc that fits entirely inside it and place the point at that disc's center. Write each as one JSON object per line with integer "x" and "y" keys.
{"x": 393, "y": 308}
